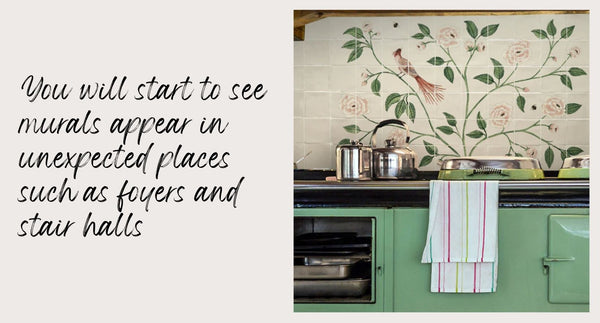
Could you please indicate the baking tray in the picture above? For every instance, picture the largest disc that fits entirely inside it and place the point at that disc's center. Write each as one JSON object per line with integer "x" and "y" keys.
{"x": 331, "y": 288}
{"x": 313, "y": 260}
{"x": 322, "y": 272}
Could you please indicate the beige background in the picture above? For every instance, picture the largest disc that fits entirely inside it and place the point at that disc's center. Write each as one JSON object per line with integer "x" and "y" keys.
{"x": 193, "y": 263}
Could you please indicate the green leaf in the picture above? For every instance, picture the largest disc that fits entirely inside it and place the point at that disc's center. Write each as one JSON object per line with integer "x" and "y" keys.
{"x": 475, "y": 134}
{"x": 344, "y": 141}
{"x": 540, "y": 33}
{"x": 355, "y": 54}
{"x": 518, "y": 155}
{"x": 424, "y": 29}
{"x": 400, "y": 108}
{"x": 351, "y": 44}
{"x": 498, "y": 69}
{"x": 471, "y": 28}
{"x": 418, "y": 36}
{"x": 521, "y": 103}
{"x": 567, "y": 32}
{"x": 489, "y": 30}
{"x": 431, "y": 149}
{"x": 549, "y": 156}
{"x": 551, "y": 29}
{"x": 375, "y": 86}
{"x": 354, "y": 32}
{"x": 436, "y": 61}
{"x": 391, "y": 99}
{"x": 426, "y": 160}
{"x": 450, "y": 119}
{"x": 576, "y": 71}
{"x": 573, "y": 151}
{"x": 352, "y": 128}
{"x": 445, "y": 129}
{"x": 449, "y": 74}
{"x": 563, "y": 154}
{"x": 571, "y": 108}
{"x": 481, "y": 122}
{"x": 412, "y": 112}
{"x": 566, "y": 80}
{"x": 485, "y": 78}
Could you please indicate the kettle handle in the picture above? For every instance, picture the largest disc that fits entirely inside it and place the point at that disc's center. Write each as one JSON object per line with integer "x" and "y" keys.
{"x": 388, "y": 122}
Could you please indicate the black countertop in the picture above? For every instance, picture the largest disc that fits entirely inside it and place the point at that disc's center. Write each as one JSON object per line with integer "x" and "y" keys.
{"x": 547, "y": 193}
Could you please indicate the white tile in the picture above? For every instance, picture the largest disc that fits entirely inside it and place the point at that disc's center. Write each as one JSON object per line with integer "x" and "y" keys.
{"x": 299, "y": 104}
{"x": 344, "y": 78}
{"x": 298, "y": 130}
{"x": 298, "y": 78}
{"x": 316, "y": 78}
{"x": 317, "y": 130}
{"x": 298, "y": 53}
{"x": 316, "y": 52}
{"x": 317, "y": 104}
{"x": 322, "y": 156}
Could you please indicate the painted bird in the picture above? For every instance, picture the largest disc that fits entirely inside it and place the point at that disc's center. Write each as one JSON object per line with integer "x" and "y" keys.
{"x": 431, "y": 92}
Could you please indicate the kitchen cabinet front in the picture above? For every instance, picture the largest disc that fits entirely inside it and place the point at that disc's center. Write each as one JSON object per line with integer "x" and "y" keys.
{"x": 527, "y": 238}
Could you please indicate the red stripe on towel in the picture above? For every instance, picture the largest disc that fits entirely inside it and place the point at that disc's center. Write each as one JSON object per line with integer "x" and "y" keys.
{"x": 474, "y": 276}
{"x": 448, "y": 221}
{"x": 439, "y": 269}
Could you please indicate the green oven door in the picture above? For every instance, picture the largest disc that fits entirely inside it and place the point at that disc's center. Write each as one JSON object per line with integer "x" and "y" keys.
{"x": 567, "y": 262}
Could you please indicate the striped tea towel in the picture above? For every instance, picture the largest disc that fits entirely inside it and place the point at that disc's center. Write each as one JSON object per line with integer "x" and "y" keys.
{"x": 462, "y": 236}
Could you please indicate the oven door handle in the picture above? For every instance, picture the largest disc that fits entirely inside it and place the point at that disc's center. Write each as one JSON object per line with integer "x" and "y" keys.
{"x": 547, "y": 261}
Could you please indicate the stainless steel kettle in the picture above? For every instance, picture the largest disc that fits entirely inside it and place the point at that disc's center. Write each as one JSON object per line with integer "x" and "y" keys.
{"x": 353, "y": 162}
{"x": 395, "y": 160}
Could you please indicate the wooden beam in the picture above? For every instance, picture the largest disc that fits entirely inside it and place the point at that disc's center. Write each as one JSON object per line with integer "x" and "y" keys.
{"x": 303, "y": 17}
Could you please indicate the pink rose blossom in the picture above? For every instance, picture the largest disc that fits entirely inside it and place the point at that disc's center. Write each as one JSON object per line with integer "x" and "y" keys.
{"x": 469, "y": 45}
{"x": 480, "y": 47}
{"x": 354, "y": 105}
{"x": 531, "y": 152}
{"x": 554, "y": 107}
{"x": 363, "y": 83}
{"x": 364, "y": 75}
{"x": 517, "y": 52}
{"x": 447, "y": 37}
{"x": 574, "y": 52}
{"x": 500, "y": 115}
{"x": 553, "y": 58}
{"x": 553, "y": 127}
{"x": 367, "y": 28}
{"x": 525, "y": 89}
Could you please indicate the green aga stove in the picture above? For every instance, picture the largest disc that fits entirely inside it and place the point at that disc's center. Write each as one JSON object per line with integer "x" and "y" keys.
{"x": 358, "y": 244}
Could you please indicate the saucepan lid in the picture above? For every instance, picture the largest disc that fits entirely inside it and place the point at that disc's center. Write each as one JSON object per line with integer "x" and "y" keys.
{"x": 577, "y": 162}
{"x": 490, "y": 162}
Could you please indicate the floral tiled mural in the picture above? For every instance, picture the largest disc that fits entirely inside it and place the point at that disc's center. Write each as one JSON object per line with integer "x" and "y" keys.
{"x": 466, "y": 85}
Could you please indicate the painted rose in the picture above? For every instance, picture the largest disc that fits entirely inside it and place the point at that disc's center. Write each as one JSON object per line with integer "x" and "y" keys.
{"x": 553, "y": 127}
{"x": 367, "y": 28}
{"x": 554, "y": 107}
{"x": 500, "y": 115}
{"x": 421, "y": 46}
{"x": 531, "y": 152}
{"x": 517, "y": 52}
{"x": 469, "y": 45}
{"x": 354, "y": 105}
{"x": 399, "y": 137}
{"x": 447, "y": 37}
{"x": 574, "y": 52}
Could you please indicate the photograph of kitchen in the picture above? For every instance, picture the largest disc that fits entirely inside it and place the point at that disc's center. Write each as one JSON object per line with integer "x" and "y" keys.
{"x": 441, "y": 161}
